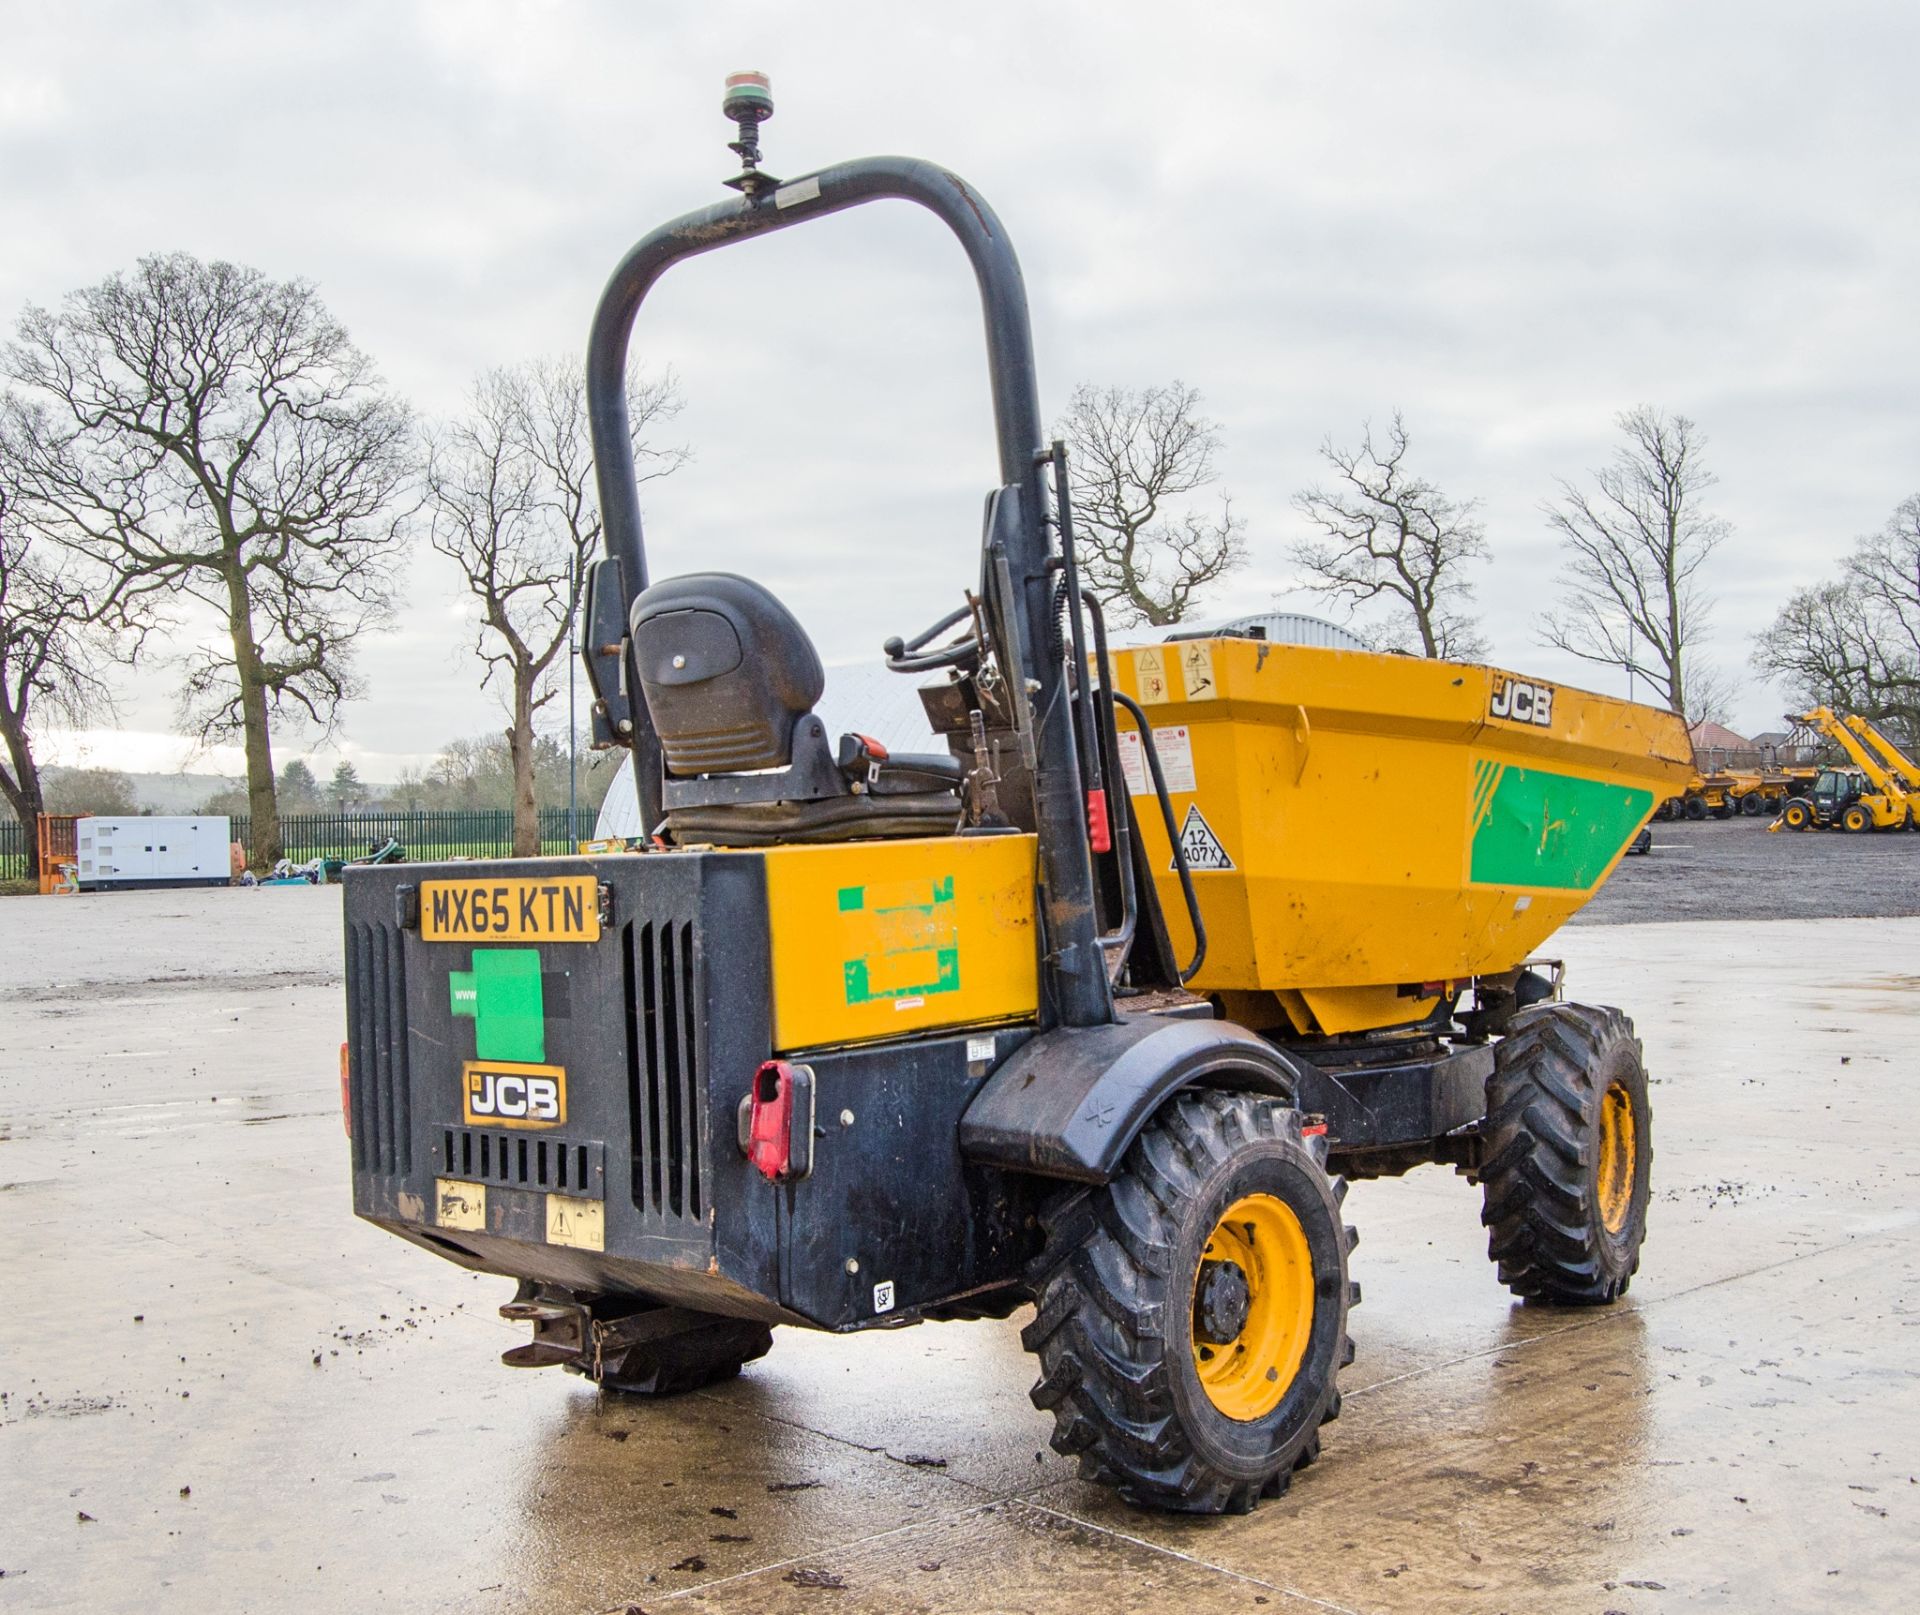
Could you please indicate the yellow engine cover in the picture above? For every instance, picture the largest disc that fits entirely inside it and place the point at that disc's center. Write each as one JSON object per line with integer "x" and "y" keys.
{"x": 1359, "y": 823}
{"x": 873, "y": 939}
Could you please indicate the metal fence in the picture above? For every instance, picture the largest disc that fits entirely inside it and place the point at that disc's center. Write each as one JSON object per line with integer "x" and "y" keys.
{"x": 459, "y": 833}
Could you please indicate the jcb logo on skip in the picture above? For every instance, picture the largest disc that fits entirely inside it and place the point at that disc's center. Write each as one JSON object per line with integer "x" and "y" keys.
{"x": 1518, "y": 701}
{"x": 534, "y": 1096}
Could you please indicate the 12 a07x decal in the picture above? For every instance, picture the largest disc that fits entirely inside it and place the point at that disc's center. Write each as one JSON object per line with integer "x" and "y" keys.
{"x": 1521, "y": 701}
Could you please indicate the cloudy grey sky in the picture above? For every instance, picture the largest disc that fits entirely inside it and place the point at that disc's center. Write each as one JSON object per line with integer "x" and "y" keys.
{"x": 1510, "y": 220}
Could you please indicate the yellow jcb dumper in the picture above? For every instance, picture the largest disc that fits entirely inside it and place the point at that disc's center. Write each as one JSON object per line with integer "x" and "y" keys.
{"x": 1095, "y": 1005}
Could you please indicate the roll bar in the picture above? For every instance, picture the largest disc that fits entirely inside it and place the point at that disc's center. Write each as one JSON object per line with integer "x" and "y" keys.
{"x": 1076, "y": 991}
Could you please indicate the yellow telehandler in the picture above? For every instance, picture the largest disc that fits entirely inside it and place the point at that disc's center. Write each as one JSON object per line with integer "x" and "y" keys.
{"x": 1868, "y": 796}
{"x": 1898, "y": 763}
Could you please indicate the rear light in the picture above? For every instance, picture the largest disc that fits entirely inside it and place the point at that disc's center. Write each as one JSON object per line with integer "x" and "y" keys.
{"x": 779, "y": 1130}
{"x": 346, "y": 1103}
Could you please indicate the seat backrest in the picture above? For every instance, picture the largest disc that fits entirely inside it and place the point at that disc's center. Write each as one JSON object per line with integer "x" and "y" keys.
{"x": 726, "y": 669}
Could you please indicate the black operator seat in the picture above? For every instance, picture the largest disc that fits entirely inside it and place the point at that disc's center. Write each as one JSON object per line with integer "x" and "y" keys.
{"x": 731, "y": 680}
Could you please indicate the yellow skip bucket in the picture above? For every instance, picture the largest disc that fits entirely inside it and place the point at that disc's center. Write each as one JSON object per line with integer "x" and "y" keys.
{"x": 1359, "y": 824}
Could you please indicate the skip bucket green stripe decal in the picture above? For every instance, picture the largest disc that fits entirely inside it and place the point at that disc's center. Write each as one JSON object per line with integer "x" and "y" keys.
{"x": 1532, "y": 828}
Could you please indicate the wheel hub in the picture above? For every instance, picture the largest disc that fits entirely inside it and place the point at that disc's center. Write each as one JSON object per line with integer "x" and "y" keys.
{"x": 1253, "y": 1305}
{"x": 1221, "y": 1301}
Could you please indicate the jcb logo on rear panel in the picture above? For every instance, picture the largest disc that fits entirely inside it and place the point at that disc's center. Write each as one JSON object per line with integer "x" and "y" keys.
{"x": 1520, "y": 701}
{"x": 496, "y": 1094}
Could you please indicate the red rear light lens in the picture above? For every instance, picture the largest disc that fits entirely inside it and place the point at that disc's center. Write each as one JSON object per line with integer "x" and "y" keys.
{"x": 779, "y": 1136}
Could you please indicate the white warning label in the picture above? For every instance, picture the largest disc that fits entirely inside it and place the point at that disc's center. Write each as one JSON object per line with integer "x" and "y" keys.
{"x": 1201, "y": 846}
{"x": 1174, "y": 743}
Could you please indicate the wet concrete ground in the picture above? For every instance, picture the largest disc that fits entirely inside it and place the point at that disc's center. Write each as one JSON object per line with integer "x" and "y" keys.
{"x": 220, "y": 1392}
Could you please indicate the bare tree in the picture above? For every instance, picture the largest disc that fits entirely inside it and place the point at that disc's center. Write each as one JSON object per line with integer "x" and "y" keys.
{"x": 1396, "y": 537}
{"x": 1634, "y": 547}
{"x": 216, "y": 442}
{"x": 511, "y": 494}
{"x": 1712, "y": 692}
{"x": 1137, "y": 456}
{"x": 1854, "y": 642}
{"x": 50, "y": 656}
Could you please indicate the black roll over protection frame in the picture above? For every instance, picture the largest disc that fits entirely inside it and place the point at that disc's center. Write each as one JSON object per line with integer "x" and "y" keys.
{"x": 1019, "y": 604}
{"x": 1078, "y": 990}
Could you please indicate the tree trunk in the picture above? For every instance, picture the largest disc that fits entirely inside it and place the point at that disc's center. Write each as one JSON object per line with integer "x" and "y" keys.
{"x": 22, "y": 789}
{"x": 526, "y": 816}
{"x": 26, "y": 797}
{"x": 262, "y": 805}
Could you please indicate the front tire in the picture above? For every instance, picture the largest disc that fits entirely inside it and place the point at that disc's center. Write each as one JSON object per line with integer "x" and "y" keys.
{"x": 1797, "y": 814}
{"x": 1856, "y": 820}
{"x": 1569, "y": 1154}
{"x": 1192, "y": 1314}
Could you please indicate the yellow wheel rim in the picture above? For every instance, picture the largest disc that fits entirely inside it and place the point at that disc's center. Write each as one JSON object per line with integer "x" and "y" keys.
{"x": 1616, "y": 1158}
{"x": 1246, "y": 1376}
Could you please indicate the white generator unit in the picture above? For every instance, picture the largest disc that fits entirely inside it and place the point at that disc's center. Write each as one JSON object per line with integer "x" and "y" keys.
{"x": 132, "y": 853}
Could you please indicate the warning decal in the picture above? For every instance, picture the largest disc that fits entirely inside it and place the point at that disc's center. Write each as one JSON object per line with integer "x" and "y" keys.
{"x": 1174, "y": 744}
{"x": 1196, "y": 662}
{"x": 1150, "y": 676}
{"x": 1201, "y": 846}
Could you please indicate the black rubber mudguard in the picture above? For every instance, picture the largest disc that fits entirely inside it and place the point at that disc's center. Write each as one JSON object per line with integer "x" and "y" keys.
{"x": 1068, "y": 1103}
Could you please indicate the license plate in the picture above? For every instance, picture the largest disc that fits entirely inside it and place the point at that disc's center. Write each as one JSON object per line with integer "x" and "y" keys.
{"x": 551, "y": 908}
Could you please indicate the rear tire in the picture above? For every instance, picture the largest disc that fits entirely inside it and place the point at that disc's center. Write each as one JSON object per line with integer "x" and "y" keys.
{"x": 1139, "y": 1296}
{"x": 1695, "y": 808}
{"x": 1569, "y": 1154}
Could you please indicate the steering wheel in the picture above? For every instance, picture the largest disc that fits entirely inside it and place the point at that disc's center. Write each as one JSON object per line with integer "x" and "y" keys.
{"x": 909, "y": 656}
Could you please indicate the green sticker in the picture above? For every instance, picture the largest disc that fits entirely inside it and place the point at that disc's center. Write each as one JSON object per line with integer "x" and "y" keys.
{"x": 1534, "y": 828}
{"x": 904, "y": 944}
{"x": 946, "y": 979}
{"x": 502, "y": 996}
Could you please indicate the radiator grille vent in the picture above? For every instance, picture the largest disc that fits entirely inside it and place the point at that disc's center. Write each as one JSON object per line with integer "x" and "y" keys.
{"x": 521, "y": 1161}
{"x": 663, "y": 1080}
{"x": 379, "y": 1083}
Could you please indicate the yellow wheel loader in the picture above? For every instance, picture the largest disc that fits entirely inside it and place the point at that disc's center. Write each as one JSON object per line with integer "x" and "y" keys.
{"x": 1095, "y": 1005}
